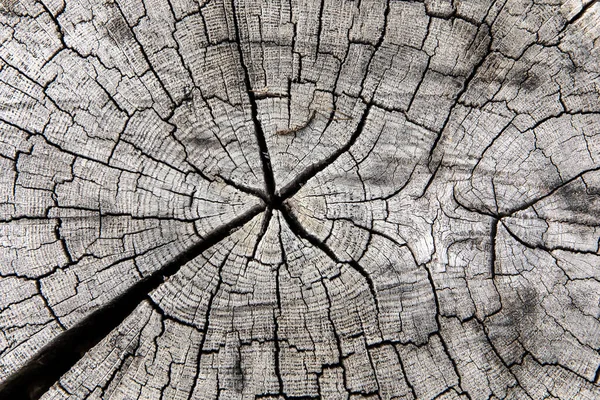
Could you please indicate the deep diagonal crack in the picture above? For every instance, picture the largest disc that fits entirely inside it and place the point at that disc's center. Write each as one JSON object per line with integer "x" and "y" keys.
{"x": 302, "y": 233}
{"x": 294, "y": 186}
{"x": 64, "y": 351}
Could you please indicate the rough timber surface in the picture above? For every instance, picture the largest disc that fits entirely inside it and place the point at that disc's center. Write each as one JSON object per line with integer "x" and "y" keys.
{"x": 301, "y": 199}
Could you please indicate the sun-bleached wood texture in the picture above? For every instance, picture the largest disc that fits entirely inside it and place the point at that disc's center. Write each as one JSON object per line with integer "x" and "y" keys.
{"x": 307, "y": 199}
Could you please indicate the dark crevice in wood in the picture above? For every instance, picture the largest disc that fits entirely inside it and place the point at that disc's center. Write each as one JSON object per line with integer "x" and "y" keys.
{"x": 260, "y": 134}
{"x": 293, "y": 187}
{"x": 302, "y": 233}
{"x": 62, "y": 353}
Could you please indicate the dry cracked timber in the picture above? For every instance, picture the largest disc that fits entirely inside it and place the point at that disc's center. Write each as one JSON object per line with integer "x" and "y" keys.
{"x": 304, "y": 199}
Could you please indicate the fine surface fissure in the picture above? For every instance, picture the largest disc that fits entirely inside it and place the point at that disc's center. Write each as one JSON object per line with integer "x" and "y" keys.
{"x": 307, "y": 200}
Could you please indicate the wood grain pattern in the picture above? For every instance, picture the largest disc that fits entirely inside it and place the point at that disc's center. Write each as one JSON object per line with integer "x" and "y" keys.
{"x": 301, "y": 199}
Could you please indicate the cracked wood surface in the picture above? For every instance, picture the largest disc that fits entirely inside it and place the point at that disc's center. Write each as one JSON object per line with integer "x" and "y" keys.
{"x": 299, "y": 199}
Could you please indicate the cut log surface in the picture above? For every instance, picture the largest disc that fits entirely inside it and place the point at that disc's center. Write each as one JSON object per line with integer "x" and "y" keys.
{"x": 302, "y": 199}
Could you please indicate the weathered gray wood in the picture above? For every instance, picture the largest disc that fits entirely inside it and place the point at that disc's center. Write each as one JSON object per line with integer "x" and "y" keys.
{"x": 306, "y": 199}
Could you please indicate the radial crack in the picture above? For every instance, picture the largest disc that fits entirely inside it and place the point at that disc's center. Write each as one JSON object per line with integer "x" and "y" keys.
{"x": 260, "y": 134}
{"x": 58, "y": 356}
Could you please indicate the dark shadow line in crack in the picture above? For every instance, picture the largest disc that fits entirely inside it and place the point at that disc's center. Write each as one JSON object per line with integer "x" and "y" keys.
{"x": 293, "y": 187}
{"x": 47, "y": 366}
{"x": 297, "y": 228}
{"x": 244, "y": 188}
{"x": 260, "y": 134}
